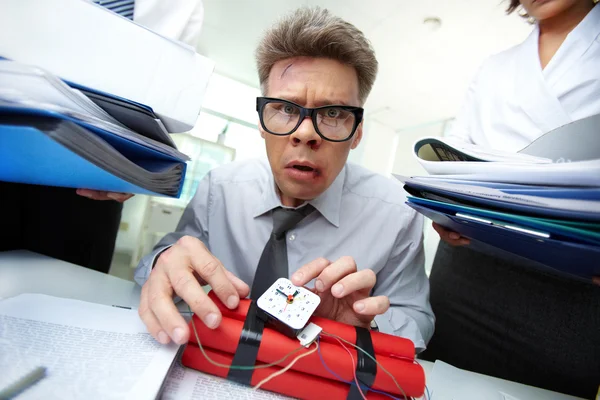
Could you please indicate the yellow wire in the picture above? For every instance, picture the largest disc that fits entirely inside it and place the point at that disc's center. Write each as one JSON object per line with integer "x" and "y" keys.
{"x": 371, "y": 357}
{"x": 277, "y": 373}
{"x": 240, "y": 367}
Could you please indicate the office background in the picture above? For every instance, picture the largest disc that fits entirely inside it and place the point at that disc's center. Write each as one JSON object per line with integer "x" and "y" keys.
{"x": 428, "y": 51}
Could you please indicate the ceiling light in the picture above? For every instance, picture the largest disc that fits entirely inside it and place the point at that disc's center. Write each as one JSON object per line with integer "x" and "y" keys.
{"x": 432, "y": 23}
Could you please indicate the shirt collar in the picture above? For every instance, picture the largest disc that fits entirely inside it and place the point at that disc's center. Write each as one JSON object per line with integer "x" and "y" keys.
{"x": 328, "y": 203}
{"x": 590, "y": 26}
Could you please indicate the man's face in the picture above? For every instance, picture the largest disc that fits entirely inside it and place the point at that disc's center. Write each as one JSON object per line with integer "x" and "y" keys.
{"x": 304, "y": 165}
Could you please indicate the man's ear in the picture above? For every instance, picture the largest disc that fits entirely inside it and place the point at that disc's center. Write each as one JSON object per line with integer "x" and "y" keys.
{"x": 357, "y": 136}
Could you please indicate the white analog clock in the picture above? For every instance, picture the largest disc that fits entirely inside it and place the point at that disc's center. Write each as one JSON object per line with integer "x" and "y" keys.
{"x": 290, "y": 305}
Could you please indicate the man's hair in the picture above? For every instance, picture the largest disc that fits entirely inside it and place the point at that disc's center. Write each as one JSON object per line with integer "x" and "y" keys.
{"x": 315, "y": 32}
{"x": 514, "y": 4}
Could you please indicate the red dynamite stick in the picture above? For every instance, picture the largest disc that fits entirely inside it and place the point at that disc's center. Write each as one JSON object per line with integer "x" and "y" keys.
{"x": 383, "y": 344}
{"x": 275, "y": 345}
{"x": 290, "y": 383}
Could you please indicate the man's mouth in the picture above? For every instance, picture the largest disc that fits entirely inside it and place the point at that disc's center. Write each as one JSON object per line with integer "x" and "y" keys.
{"x": 304, "y": 168}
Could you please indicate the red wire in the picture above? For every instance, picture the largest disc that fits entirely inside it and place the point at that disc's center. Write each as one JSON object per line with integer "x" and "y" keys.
{"x": 353, "y": 367}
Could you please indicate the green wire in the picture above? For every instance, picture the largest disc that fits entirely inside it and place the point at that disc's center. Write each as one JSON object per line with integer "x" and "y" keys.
{"x": 238, "y": 367}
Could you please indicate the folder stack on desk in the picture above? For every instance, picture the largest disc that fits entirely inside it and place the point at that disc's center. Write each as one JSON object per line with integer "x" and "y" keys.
{"x": 540, "y": 211}
{"x": 88, "y": 99}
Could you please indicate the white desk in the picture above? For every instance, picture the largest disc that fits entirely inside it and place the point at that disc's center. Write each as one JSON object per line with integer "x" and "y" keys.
{"x": 27, "y": 272}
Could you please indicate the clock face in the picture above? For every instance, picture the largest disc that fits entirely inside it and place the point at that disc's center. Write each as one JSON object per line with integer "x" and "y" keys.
{"x": 289, "y": 304}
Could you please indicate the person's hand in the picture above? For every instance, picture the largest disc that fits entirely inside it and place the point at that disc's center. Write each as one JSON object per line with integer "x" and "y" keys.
{"x": 101, "y": 195}
{"x": 343, "y": 290}
{"x": 450, "y": 237}
{"x": 596, "y": 280}
{"x": 183, "y": 269}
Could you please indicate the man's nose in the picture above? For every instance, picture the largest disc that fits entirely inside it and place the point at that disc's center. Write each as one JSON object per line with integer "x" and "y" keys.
{"x": 306, "y": 134}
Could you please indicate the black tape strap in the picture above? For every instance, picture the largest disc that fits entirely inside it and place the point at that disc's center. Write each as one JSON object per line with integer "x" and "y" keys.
{"x": 247, "y": 349}
{"x": 366, "y": 368}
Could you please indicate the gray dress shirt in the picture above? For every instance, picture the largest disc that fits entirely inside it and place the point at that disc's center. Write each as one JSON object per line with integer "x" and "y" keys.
{"x": 362, "y": 215}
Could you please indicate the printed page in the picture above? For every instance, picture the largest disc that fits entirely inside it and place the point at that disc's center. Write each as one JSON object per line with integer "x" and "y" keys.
{"x": 90, "y": 351}
{"x": 446, "y": 382}
{"x": 452, "y": 149}
{"x": 188, "y": 384}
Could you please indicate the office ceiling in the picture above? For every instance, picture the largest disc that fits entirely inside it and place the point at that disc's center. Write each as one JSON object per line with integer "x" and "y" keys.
{"x": 424, "y": 72}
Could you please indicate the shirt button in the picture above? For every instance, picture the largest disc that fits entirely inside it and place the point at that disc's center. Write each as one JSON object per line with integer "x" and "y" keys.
{"x": 292, "y": 237}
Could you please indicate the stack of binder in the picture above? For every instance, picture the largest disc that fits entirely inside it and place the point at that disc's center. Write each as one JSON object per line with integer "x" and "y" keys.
{"x": 88, "y": 99}
{"x": 540, "y": 206}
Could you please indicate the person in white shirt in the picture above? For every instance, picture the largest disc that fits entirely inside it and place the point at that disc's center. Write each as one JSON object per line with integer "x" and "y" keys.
{"x": 362, "y": 246}
{"x": 503, "y": 318}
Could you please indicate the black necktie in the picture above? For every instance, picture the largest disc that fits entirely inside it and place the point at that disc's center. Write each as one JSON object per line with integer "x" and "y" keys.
{"x": 273, "y": 263}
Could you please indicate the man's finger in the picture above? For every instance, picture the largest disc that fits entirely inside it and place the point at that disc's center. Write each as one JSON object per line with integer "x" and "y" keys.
{"x": 161, "y": 305}
{"x": 450, "y": 237}
{"x": 120, "y": 197}
{"x": 337, "y": 270}
{"x": 372, "y": 305}
{"x": 92, "y": 194}
{"x": 309, "y": 271}
{"x": 359, "y": 281}
{"x": 242, "y": 288}
{"x": 147, "y": 316}
{"x": 208, "y": 267}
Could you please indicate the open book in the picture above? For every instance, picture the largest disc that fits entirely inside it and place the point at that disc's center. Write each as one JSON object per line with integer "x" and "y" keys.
{"x": 93, "y": 351}
{"x": 574, "y": 142}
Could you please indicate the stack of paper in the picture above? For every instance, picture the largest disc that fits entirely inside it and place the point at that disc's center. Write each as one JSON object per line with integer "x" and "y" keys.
{"x": 541, "y": 204}
{"x": 53, "y": 134}
{"x": 88, "y": 45}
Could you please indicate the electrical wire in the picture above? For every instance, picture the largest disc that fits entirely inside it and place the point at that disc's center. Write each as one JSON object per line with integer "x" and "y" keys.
{"x": 372, "y": 358}
{"x": 277, "y": 373}
{"x": 339, "y": 378}
{"x": 353, "y": 369}
{"x": 239, "y": 367}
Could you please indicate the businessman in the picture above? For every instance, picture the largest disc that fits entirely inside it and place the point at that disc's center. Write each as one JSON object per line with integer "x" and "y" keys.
{"x": 344, "y": 231}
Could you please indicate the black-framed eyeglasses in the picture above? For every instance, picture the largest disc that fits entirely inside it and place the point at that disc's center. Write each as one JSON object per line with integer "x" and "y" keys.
{"x": 336, "y": 123}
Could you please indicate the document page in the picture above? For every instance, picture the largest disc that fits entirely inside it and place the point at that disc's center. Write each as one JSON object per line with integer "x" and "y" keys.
{"x": 89, "y": 350}
{"x": 446, "y": 382}
{"x": 188, "y": 384}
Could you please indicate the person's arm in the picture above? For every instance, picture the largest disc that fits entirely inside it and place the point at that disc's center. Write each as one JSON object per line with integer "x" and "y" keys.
{"x": 465, "y": 121}
{"x": 180, "y": 265}
{"x": 462, "y": 129}
{"x": 404, "y": 281}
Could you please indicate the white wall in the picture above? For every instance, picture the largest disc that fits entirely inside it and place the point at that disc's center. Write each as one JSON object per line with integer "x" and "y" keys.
{"x": 377, "y": 148}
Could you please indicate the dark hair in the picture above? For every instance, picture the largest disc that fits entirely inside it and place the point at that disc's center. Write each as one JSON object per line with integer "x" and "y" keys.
{"x": 315, "y": 32}
{"x": 514, "y": 4}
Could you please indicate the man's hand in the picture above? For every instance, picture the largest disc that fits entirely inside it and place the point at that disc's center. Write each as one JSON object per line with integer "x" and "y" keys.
{"x": 101, "y": 195}
{"x": 450, "y": 237}
{"x": 344, "y": 292}
{"x": 183, "y": 269}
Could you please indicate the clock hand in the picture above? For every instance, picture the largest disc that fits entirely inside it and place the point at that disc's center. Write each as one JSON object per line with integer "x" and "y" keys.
{"x": 280, "y": 292}
{"x": 295, "y": 293}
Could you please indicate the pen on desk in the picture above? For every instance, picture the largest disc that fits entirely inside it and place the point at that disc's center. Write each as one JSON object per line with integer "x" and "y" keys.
{"x": 22, "y": 384}
{"x": 129, "y": 308}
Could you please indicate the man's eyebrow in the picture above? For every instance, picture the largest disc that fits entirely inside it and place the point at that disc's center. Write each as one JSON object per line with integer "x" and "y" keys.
{"x": 320, "y": 103}
{"x": 331, "y": 103}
